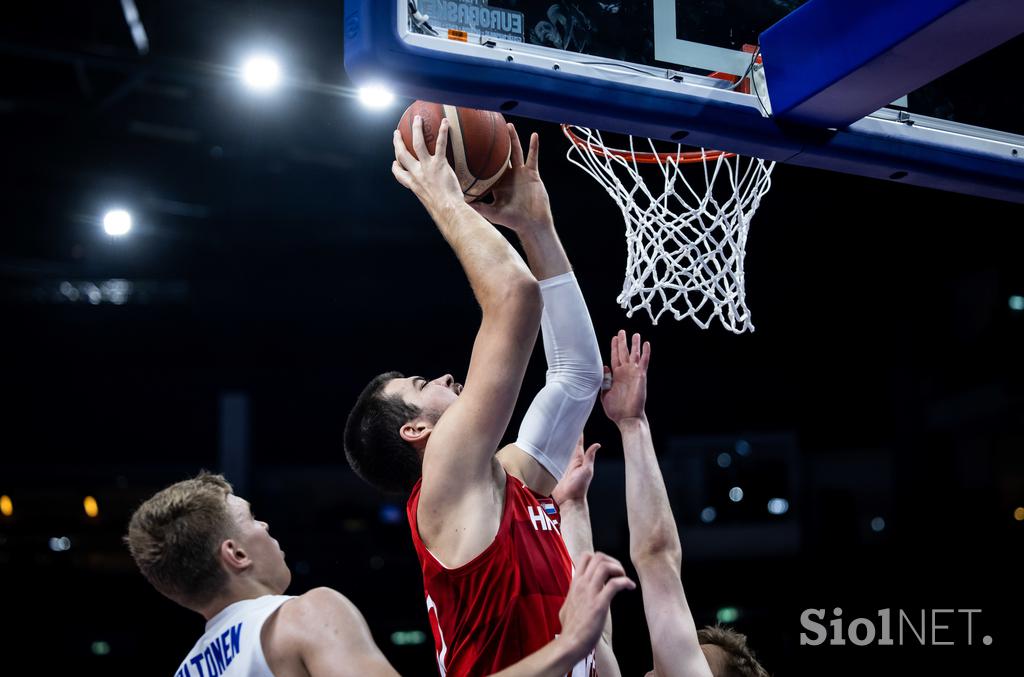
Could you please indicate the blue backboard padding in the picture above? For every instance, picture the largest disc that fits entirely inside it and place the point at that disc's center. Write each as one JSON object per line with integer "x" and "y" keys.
{"x": 375, "y": 54}
{"x": 831, "y": 62}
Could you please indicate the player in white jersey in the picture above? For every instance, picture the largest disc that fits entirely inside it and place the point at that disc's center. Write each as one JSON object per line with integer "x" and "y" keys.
{"x": 201, "y": 546}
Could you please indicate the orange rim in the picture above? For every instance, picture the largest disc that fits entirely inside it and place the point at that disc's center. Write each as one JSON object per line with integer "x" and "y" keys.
{"x": 650, "y": 158}
{"x": 646, "y": 157}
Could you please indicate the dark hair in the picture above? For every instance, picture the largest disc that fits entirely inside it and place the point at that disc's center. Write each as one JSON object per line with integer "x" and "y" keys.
{"x": 373, "y": 446}
{"x": 740, "y": 660}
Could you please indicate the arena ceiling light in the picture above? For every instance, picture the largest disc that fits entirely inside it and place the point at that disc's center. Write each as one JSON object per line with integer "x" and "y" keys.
{"x": 117, "y": 222}
{"x": 376, "y": 97}
{"x": 261, "y": 73}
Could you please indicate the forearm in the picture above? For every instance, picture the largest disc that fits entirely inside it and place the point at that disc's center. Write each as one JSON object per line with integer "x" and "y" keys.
{"x": 559, "y": 411}
{"x": 491, "y": 264}
{"x": 653, "y": 537}
{"x": 575, "y": 528}
{"x": 579, "y": 539}
{"x": 544, "y": 252}
{"x": 555, "y": 659}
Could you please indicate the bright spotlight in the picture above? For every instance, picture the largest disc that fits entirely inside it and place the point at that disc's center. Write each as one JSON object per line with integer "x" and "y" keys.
{"x": 117, "y": 222}
{"x": 261, "y": 73}
{"x": 778, "y": 506}
{"x": 376, "y": 97}
{"x": 736, "y": 494}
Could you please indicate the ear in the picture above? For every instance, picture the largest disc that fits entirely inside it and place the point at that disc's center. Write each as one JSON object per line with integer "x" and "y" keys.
{"x": 234, "y": 557}
{"x": 416, "y": 432}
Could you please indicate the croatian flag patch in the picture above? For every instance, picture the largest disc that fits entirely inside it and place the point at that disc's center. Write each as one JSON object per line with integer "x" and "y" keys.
{"x": 549, "y": 506}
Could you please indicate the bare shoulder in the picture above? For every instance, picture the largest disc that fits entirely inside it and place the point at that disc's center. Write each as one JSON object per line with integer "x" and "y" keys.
{"x": 312, "y": 609}
{"x": 320, "y": 629}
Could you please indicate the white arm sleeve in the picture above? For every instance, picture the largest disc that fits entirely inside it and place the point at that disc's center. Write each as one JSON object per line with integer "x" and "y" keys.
{"x": 555, "y": 419}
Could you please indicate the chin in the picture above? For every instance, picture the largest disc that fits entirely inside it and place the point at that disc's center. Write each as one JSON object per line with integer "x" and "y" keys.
{"x": 286, "y": 581}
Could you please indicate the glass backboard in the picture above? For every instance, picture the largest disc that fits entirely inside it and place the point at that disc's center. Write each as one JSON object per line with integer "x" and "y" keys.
{"x": 655, "y": 68}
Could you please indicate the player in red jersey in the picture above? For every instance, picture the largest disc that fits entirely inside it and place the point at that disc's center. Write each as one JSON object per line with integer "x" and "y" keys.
{"x": 495, "y": 567}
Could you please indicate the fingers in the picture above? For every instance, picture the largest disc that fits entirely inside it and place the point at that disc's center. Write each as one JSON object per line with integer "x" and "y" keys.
{"x": 517, "y": 148}
{"x": 616, "y": 362}
{"x": 634, "y": 351}
{"x": 402, "y": 154}
{"x": 623, "y": 350}
{"x": 613, "y": 587}
{"x": 608, "y": 567}
{"x": 585, "y": 560}
{"x": 590, "y": 454}
{"x": 441, "y": 147}
{"x": 533, "y": 159}
{"x": 645, "y": 357}
{"x": 403, "y": 177}
{"x": 419, "y": 145}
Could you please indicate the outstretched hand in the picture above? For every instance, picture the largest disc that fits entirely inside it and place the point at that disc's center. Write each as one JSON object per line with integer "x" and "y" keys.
{"x": 520, "y": 199}
{"x": 628, "y": 394}
{"x": 427, "y": 175}
{"x": 598, "y": 579}
{"x": 576, "y": 481}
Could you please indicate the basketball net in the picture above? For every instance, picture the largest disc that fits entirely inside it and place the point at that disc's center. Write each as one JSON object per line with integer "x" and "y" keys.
{"x": 685, "y": 238}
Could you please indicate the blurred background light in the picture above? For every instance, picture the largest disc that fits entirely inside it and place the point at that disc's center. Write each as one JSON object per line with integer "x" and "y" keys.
{"x": 736, "y": 494}
{"x": 877, "y": 524}
{"x": 60, "y": 544}
{"x": 724, "y": 460}
{"x": 778, "y": 506}
{"x": 727, "y": 614}
{"x": 1017, "y": 303}
{"x": 408, "y": 638}
{"x": 92, "y": 508}
{"x": 708, "y": 515}
{"x": 6, "y": 506}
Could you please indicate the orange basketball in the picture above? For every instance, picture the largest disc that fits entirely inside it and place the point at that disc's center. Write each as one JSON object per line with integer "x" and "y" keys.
{"x": 478, "y": 143}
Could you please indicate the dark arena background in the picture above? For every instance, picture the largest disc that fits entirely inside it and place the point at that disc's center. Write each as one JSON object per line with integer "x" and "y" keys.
{"x": 874, "y": 421}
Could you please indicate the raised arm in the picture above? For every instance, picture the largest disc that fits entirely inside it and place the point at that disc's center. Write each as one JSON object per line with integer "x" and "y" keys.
{"x": 574, "y": 509}
{"x": 462, "y": 482}
{"x": 653, "y": 538}
{"x": 558, "y": 412}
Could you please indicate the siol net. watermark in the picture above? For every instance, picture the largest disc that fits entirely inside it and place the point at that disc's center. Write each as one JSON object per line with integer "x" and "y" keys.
{"x": 892, "y": 627}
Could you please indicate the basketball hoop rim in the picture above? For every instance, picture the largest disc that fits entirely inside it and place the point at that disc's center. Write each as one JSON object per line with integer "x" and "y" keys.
{"x": 646, "y": 157}
{"x": 687, "y": 157}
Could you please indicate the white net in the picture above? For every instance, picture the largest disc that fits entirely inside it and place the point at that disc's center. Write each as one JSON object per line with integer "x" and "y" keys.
{"x": 685, "y": 247}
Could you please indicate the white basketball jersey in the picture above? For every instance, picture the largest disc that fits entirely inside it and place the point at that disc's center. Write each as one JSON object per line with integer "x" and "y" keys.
{"x": 231, "y": 645}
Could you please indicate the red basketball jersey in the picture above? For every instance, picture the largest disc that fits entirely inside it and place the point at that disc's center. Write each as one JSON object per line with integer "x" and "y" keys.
{"x": 503, "y": 604}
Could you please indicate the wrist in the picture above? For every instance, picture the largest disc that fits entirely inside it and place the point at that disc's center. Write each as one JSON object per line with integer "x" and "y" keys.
{"x": 534, "y": 231}
{"x": 566, "y": 651}
{"x": 571, "y": 503}
{"x": 445, "y": 209}
{"x": 632, "y": 423}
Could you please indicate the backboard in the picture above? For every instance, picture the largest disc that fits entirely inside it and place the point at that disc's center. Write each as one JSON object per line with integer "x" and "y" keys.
{"x": 643, "y": 68}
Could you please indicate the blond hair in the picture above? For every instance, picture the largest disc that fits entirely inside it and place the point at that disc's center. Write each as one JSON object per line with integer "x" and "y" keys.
{"x": 174, "y": 538}
{"x": 740, "y": 660}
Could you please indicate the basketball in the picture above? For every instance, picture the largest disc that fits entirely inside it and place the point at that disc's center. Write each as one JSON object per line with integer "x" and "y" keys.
{"x": 478, "y": 143}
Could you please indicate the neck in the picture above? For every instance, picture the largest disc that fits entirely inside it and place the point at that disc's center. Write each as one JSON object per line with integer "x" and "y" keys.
{"x": 237, "y": 591}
